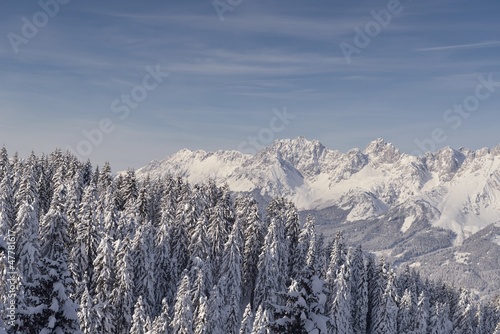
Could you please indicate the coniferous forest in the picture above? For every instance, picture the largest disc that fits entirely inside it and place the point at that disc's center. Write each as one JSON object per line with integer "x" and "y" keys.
{"x": 84, "y": 251}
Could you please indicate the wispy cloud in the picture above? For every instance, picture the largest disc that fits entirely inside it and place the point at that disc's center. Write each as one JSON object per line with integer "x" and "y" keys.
{"x": 480, "y": 45}
{"x": 231, "y": 74}
{"x": 285, "y": 25}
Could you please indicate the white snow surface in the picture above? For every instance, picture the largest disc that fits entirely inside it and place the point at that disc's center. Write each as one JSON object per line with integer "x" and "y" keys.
{"x": 415, "y": 265}
{"x": 455, "y": 189}
{"x": 496, "y": 240}
{"x": 407, "y": 223}
{"x": 462, "y": 257}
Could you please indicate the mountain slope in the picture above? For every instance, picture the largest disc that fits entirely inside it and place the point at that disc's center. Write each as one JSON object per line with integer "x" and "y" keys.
{"x": 459, "y": 188}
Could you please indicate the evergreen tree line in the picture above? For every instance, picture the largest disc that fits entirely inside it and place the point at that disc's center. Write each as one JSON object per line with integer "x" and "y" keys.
{"x": 96, "y": 253}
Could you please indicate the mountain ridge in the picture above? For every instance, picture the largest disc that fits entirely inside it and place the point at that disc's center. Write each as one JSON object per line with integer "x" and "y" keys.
{"x": 461, "y": 184}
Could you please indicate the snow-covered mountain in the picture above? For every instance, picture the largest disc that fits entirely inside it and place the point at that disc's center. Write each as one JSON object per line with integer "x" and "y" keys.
{"x": 457, "y": 190}
{"x": 430, "y": 212}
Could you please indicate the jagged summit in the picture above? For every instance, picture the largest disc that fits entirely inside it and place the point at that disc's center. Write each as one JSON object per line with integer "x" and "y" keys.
{"x": 378, "y": 145}
{"x": 460, "y": 187}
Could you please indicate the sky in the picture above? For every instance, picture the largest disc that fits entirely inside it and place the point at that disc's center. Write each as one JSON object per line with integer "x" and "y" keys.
{"x": 128, "y": 81}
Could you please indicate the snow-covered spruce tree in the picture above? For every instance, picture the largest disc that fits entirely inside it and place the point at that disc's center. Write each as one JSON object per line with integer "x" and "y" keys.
{"x": 341, "y": 321}
{"x": 292, "y": 231}
{"x": 201, "y": 317}
{"x": 16, "y": 166}
{"x": 482, "y": 323}
{"x": 276, "y": 214}
{"x": 123, "y": 296}
{"x": 139, "y": 318}
{"x": 290, "y": 318}
{"x": 377, "y": 283}
{"x": 118, "y": 196}
{"x": 129, "y": 220}
{"x": 464, "y": 321}
{"x": 338, "y": 258}
{"x": 490, "y": 316}
{"x": 143, "y": 249}
{"x": 231, "y": 269}
{"x": 105, "y": 179}
{"x": 45, "y": 186}
{"x": 321, "y": 249}
{"x": 199, "y": 246}
{"x": 164, "y": 287}
{"x": 73, "y": 200}
{"x": 208, "y": 275}
{"x": 86, "y": 313}
{"x": 28, "y": 248}
{"x": 220, "y": 222}
{"x": 269, "y": 278}
{"x": 27, "y": 224}
{"x": 191, "y": 203}
{"x": 161, "y": 324}
{"x": 87, "y": 172}
{"x": 27, "y": 191}
{"x": 182, "y": 323}
{"x": 439, "y": 322}
{"x": 388, "y": 310}
{"x": 216, "y": 310}
{"x": 201, "y": 272}
{"x": 49, "y": 308}
{"x": 95, "y": 176}
{"x": 88, "y": 239}
{"x": 359, "y": 289}
{"x": 307, "y": 232}
{"x": 4, "y": 288}
{"x": 158, "y": 190}
{"x": 304, "y": 308}
{"x": 7, "y": 222}
{"x": 129, "y": 190}
{"x": 313, "y": 266}
{"x": 263, "y": 320}
{"x": 497, "y": 329}
{"x": 4, "y": 162}
{"x": 179, "y": 247}
{"x": 104, "y": 267}
{"x": 422, "y": 316}
{"x": 110, "y": 214}
{"x": 183, "y": 193}
{"x": 54, "y": 227}
{"x": 7, "y": 207}
{"x": 144, "y": 200}
{"x": 168, "y": 205}
{"x": 404, "y": 281}
{"x": 247, "y": 322}
{"x": 248, "y": 213}
{"x": 406, "y": 314}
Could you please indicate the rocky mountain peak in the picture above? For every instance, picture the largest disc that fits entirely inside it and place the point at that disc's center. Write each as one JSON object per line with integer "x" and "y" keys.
{"x": 303, "y": 154}
{"x": 445, "y": 162}
{"x": 382, "y": 151}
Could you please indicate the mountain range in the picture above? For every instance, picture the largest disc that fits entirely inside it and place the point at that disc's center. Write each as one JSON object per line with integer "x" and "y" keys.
{"x": 439, "y": 211}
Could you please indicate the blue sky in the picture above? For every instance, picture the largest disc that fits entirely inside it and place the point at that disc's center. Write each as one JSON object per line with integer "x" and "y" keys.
{"x": 227, "y": 76}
